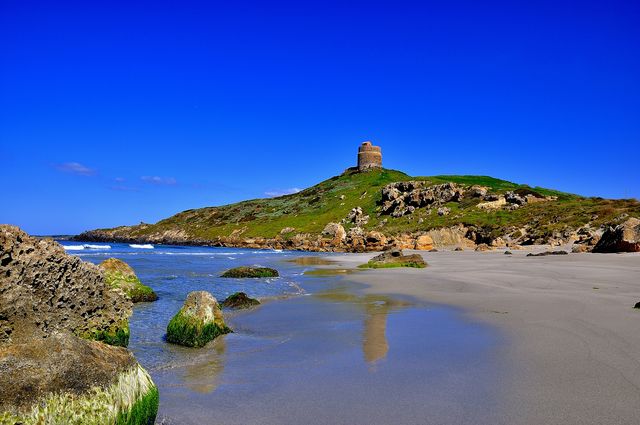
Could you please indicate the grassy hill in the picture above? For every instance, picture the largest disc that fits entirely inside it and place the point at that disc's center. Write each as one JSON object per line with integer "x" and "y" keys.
{"x": 308, "y": 211}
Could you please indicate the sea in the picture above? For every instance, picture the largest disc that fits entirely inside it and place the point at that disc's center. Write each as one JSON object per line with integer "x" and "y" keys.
{"x": 318, "y": 350}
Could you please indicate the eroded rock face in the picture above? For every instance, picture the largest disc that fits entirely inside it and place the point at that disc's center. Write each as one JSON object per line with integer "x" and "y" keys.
{"x": 43, "y": 290}
{"x": 424, "y": 243}
{"x": 336, "y": 232}
{"x": 198, "y": 321}
{"x": 402, "y": 198}
{"x": 624, "y": 237}
{"x": 119, "y": 274}
{"x": 48, "y": 374}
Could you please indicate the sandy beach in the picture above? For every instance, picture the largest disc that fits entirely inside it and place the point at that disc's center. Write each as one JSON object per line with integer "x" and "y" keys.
{"x": 572, "y": 349}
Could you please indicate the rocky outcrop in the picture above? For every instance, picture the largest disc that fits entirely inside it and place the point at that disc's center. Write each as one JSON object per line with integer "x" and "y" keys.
{"x": 335, "y": 232}
{"x": 403, "y": 198}
{"x": 624, "y": 237}
{"x": 547, "y": 253}
{"x": 63, "y": 379}
{"x": 357, "y": 216}
{"x": 44, "y": 290}
{"x": 198, "y": 321}
{"x": 49, "y": 373}
{"x": 119, "y": 274}
{"x": 424, "y": 243}
{"x": 395, "y": 258}
{"x": 239, "y": 300}
{"x": 250, "y": 272}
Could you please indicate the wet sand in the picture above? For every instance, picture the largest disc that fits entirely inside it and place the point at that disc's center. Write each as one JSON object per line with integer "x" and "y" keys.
{"x": 338, "y": 356}
{"x": 572, "y": 354}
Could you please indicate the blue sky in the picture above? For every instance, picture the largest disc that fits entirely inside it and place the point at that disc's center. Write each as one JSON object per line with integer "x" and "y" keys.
{"x": 118, "y": 112}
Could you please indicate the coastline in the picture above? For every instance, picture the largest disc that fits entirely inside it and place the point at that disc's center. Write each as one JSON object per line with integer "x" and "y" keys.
{"x": 573, "y": 350}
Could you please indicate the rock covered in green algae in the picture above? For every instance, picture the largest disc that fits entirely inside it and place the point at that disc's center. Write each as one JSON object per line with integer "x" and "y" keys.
{"x": 250, "y": 272}
{"x": 198, "y": 321}
{"x": 239, "y": 300}
{"x": 48, "y": 375}
{"x": 45, "y": 290}
{"x": 119, "y": 274}
{"x": 64, "y": 379}
{"x": 395, "y": 258}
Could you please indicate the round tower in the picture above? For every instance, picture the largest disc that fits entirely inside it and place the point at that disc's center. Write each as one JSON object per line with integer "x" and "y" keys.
{"x": 369, "y": 157}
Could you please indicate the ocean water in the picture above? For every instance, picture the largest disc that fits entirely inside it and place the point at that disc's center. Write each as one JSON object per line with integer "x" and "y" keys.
{"x": 318, "y": 351}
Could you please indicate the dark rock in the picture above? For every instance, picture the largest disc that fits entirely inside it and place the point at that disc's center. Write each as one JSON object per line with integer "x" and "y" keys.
{"x": 239, "y": 300}
{"x": 198, "y": 321}
{"x": 250, "y": 272}
{"x": 637, "y": 305}
{"x": 546, "y": 253}
{"x": 46, "y": 290}
{"x": 395, "y": 258}
{"x": 508, "y": 253}
{"x": 624, "y": 237}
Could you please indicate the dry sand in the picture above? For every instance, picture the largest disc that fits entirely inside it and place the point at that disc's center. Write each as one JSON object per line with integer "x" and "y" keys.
{"x": 573, "y": 336}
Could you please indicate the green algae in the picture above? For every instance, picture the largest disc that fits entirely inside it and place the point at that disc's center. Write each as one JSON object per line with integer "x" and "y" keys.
{"x": 118, "y": 274}
{"x": 250, "y": 272}
{"x": 192, "y": 332}
{"x": 117, "y": 334}
{"x": 377, "y": 265}
{"x": 239, "y": 300}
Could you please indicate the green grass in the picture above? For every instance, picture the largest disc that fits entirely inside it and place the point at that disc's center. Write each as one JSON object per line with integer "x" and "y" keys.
{"x": 330, "y": 201}
{"x": 191, "y": 332}
{"x": 131, "y": 400}
{"x": 376, "y": 265}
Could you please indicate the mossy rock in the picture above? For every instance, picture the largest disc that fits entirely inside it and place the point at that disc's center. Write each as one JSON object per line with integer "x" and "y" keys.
{"x": 117, "y": 335}
{"x": 119, "y": 274}
{"x": 239, "y": 300}
{"x": 101, "y": 385}
{"x": 394, "y": 258}
{"x": 251, "y": 272}
{"x": 198, "y": 321}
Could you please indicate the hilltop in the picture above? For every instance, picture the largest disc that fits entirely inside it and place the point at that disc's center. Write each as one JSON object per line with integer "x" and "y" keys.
{"x": 372, "y": 209}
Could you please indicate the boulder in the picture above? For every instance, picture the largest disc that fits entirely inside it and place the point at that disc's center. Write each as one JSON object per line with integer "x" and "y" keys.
{"x": 45, "y": 290}
{"x": 637, "y": 305}
{"x": 51, "y": 305}
{"x": 250, "y": 272}
{"x": 336, "y": 232}
{"x": 402, "y": 198}
{"x": 119, "y": 274}
{"x": 239, "y": 300}
{"x": 357, "y": 217}
{"x": 395, "y": 258}
{"x": 477, "y": 191}
{"x": 198, "y": 321}
{"x": 624, "y": 237}
{"x": 375, "y": 240}
{"x": 63, "y": 379}
{"x": 424, "y": 243}
{"x": 444, "y": 211}
{"x": 483, "y": 247}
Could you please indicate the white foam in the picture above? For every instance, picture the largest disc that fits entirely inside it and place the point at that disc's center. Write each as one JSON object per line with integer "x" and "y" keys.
{"x": 87, "y": 246}
{"x": 141, "y": 246}
{"x": 73, "y": 247}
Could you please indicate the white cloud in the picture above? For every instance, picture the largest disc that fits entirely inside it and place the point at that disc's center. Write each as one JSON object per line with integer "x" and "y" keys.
{"x": 75, "y": 168}
{"x": 282, "y": 192}
{"x": 167, "y": 181}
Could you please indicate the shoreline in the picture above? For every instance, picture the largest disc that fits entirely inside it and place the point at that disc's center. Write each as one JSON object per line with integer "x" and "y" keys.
{"x": 573, "y": 349}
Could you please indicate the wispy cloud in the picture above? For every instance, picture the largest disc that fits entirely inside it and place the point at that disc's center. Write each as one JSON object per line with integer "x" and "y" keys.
{"x": 75, "y": 168}
{"x": 122, "y": 188}
{"x": 165, "y": 181}
{"x": 282, "y": 192}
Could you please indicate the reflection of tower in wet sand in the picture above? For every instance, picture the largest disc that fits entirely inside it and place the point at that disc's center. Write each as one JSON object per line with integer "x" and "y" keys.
{"x": 374, "y": 341}
{"x": 203, "y": 374}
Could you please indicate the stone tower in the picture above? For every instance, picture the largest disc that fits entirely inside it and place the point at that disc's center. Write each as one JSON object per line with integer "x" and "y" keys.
{"x": 369, "y": 157}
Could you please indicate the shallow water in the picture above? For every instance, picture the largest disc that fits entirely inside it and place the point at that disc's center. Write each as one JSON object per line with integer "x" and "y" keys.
{"x": 327, "y": 354}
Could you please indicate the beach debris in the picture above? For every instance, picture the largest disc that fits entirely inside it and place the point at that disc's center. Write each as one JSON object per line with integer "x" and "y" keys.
{"x": 199, "y": 321}
{"x": 239, "y": 300}
{"x": 119, "y": 274}
{"x": 250, "y": 272}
